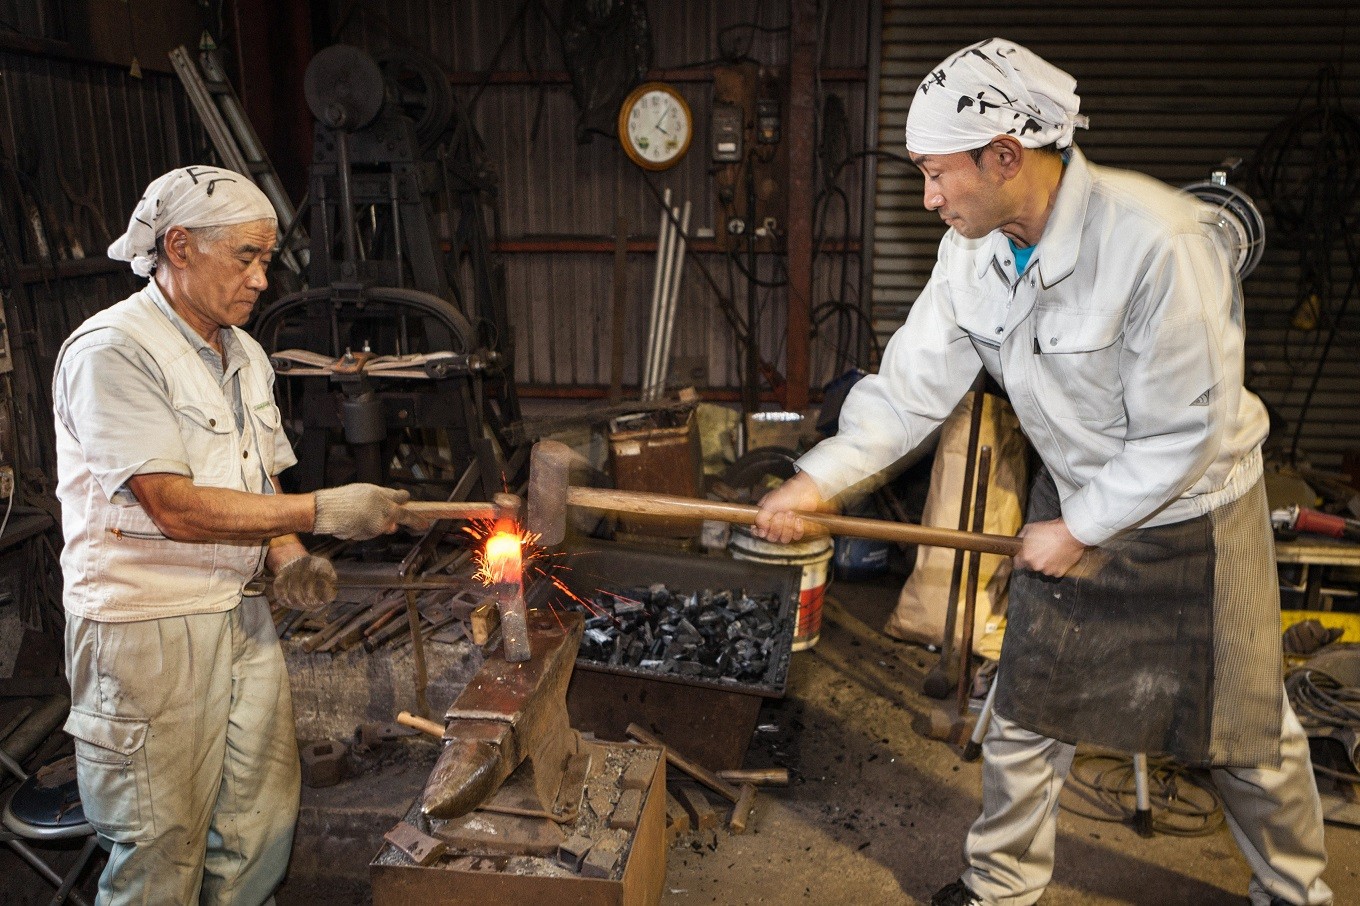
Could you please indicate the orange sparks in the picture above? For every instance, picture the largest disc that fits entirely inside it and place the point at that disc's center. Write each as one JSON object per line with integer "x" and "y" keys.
{"x": 500, "y": 559}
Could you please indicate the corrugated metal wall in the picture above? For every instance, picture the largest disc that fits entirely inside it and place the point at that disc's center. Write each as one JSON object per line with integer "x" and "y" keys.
{"x": 551, "y": 187}
{"x": 1172, "y": 89}
{"x": 78, "y": 143}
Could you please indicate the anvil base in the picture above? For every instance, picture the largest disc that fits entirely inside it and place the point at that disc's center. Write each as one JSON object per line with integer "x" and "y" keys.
{"x": 497, "y": 858}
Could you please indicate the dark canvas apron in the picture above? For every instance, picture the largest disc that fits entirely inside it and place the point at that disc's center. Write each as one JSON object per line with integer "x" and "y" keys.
{"x": 1163, "y": 640}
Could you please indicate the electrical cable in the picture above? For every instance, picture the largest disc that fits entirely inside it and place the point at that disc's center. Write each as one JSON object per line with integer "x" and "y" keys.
{"x": 9, "y": 508}
{"x": 1323, "y": 703}
{"x": 1320, "y": 700}
{"x": 1307, "y": 170}
{"x": 1183, "y": 802}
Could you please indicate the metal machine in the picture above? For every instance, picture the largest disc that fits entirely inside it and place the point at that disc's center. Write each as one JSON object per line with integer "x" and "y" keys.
{"x": 394, "y": 367}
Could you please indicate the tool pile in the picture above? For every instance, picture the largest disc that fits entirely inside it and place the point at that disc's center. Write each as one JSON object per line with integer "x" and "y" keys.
{"x": 710, "y": 634}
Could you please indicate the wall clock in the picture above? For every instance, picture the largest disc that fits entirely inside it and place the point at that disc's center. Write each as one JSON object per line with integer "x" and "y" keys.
{"x": 655, "y": 126}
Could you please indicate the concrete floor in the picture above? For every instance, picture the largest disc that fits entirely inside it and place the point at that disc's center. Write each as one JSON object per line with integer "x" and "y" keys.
{"x": 877, "y": 813}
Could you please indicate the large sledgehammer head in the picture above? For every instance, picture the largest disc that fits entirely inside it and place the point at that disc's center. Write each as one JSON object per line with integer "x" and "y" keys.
{"x": 549, "y": 467}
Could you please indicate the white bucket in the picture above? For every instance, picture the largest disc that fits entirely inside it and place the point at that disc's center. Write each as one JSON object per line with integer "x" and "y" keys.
{"x": 814, "y": 556}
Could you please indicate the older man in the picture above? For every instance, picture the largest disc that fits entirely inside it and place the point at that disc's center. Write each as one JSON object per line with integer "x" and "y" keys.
{"x": 1144, "y": 613}
{"x": 168, "y": 448}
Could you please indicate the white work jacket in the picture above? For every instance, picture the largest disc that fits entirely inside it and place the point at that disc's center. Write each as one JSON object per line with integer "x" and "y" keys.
{"x": 1120, "y": 347}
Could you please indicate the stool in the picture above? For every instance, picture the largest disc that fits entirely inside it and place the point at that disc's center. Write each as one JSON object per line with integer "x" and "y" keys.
{"x": 45, "y": 808}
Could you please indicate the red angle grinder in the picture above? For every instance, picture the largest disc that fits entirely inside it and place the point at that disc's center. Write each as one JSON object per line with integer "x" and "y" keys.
{"x": 1301, "y": 519}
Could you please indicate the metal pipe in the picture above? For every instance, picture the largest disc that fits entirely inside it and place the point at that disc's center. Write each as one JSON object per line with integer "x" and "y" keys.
{"x": 348, "y": 269}
{"x": 45, "y": 870}
{"x": 654, "y": 352}
{"x": 395, "y": 195}
{"x": 417, "y": 654}
{"x": 663, "y": 232}
{"x": 668, "y": 319}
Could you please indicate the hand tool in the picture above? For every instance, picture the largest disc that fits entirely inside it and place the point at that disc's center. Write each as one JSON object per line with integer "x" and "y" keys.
{"x": 936, "y": 683}
{"x": 743, "y": 798}
{"x": 549, "y": 495}
{"x": 970, "y": 596}
{"x": 1296, "y": 518}
{"x": 757, "y": 776}
{"x": 502, "y": 506}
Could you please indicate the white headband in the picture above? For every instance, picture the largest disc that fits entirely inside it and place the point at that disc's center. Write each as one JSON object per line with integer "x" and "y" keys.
{"x": 190, "y": 197}
{"x": 993, "y": 88}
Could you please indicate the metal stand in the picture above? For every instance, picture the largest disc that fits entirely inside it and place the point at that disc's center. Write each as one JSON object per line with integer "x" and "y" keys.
{"x": 1142, "y": 815}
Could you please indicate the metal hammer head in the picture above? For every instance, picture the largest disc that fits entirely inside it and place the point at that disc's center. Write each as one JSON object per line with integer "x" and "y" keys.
{"x": 506, "y": 506}
{"x": 549, "y": 467}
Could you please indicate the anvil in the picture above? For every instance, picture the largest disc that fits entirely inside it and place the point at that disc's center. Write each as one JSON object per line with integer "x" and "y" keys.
{"x": 509, "y": 713}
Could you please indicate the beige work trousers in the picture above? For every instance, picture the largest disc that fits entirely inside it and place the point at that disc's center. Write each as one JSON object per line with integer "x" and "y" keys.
{"x": 1274, "y": 814}
{"x": 186, "y": 754}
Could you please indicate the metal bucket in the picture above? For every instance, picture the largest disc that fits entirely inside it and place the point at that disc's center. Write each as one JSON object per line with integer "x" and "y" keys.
{"x": 814, "y": 556}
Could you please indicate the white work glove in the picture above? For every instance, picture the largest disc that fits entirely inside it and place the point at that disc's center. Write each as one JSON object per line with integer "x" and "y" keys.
{"x": 305, "y": 583}
{"x": 357, "y": 512}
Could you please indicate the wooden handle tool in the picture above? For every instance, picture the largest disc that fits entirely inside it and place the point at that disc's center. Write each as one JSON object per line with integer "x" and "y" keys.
{"x": 616, "y": 501}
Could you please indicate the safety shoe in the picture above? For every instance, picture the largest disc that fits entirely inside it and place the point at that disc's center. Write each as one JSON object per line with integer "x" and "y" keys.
{"x": 956, "y": 894}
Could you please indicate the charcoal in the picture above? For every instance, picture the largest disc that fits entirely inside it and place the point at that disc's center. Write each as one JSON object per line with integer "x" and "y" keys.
{"x": 710, "y": 634}
{"x": 628, "y": 607}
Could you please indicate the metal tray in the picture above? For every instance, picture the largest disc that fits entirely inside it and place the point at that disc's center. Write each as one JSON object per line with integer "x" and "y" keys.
{"x": 711, "y": 721}
{"x": 617, "y": 567}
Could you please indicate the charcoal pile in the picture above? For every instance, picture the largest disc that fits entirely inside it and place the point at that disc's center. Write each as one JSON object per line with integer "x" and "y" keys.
{"x": 705, "y": 634}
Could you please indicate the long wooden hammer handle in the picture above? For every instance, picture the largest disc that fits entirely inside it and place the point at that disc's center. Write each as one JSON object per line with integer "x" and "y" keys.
{"x": 503, "y": 505}
{"x": 647, "y": 504}
{"x": 438, "y": 509}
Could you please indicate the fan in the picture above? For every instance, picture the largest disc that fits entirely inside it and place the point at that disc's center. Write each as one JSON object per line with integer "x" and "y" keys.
{"x": 1238, "y": 216}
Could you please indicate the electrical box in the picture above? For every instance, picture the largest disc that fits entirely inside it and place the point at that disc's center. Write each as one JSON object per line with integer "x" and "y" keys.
{"x": 728, "y": 131}
{"x": 767, "y": 121}
{"x": 751, "y": 188}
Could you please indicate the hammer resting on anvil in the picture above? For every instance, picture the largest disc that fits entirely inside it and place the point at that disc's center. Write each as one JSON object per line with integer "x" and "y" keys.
{"x": 550, "y": 494}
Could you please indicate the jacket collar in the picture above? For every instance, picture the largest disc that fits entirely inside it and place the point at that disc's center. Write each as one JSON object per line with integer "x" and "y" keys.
{"x": 1061, "y": 239}
{"x": 234, "y": 351}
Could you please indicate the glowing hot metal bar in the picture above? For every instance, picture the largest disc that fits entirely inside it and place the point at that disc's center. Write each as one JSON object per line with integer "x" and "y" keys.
{"x": 502, "y": 569}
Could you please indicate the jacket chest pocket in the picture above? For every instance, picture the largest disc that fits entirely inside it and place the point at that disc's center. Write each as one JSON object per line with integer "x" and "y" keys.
{"x": 1076, "y": 355}
{"x": 984, "y": 333}
{"x": 209, "y": 433}
{"x": 265, "y": 419}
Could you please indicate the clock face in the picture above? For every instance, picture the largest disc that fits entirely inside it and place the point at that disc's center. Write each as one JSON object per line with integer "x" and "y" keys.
{"x": 655, "y": 126}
